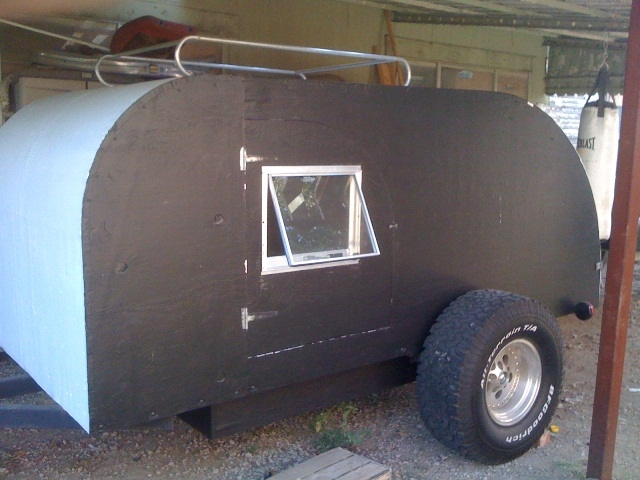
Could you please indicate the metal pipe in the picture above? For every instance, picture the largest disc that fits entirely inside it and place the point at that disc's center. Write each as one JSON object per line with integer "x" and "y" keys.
{"x": 55, "y": 35}
{"x": 192, "y": 64}
{"x": 296, "y": 49}
{"x": 369, "y": 59}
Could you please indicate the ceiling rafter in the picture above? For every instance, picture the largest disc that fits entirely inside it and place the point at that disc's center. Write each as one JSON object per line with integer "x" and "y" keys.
{"x": 549, "y": 23}
{"x": 423, "y": 4}
{"x": 593, "y": 19}
{"x": 571, "y": 8}
{"x": 599, "y": 37}
{"x": 493, "y": 7}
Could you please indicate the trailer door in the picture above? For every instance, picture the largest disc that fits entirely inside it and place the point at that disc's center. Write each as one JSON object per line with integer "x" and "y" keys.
{"x": 318, "y": 270}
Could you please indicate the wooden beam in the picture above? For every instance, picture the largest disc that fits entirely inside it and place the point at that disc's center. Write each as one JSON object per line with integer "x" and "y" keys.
{"x": 617, "y": 301}
{"x": 412, "y": 6}
{"x": 516, "y": 21}
{"x": 336, "y": 464}
{"x": 477, "y": 7}
{"x": 597, "y": 36}
{"x": 437, "y": 7}
{"x": 572, "y": 8}
{"x": 494, "y": 7}
{"x": 398, "y": 76}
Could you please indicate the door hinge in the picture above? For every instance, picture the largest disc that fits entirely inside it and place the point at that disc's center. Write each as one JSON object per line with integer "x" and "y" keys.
{"x": 246, "y": 318}
{"x": 244, "y": 159}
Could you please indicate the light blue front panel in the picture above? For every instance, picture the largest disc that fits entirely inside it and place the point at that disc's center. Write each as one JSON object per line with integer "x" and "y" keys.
{"x": 46, "y": 152}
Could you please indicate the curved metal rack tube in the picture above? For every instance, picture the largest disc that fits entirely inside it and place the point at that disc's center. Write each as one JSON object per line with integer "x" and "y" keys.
{"x": 369, "y": 59}
{"x": 162, "y": 61}
{"x": 373, "y": 59}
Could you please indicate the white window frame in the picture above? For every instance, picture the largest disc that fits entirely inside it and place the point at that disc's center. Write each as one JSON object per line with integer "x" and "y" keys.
{"x": 287, "y": 262}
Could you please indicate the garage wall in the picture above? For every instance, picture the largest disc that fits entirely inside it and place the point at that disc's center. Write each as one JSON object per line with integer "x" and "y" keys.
{"x": 341, "y": 25}
{"x": 318, "y": 23}
{"x": 500, "y": 49}
{"x": 313, "y": 23}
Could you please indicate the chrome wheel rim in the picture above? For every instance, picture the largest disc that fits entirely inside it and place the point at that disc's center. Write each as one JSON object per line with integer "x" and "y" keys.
{"x": 513, "y": 382}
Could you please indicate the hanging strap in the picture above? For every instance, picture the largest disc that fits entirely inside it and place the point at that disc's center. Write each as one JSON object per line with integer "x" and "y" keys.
{"x": 600, "y": 87}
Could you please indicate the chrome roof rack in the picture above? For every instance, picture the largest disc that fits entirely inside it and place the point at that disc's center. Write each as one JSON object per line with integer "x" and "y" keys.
{"x": 188, "y": 67}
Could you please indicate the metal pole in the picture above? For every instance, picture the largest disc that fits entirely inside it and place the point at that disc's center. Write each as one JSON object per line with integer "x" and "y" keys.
{"x": 95, "y": 46}
{"x": 615, "y": 313}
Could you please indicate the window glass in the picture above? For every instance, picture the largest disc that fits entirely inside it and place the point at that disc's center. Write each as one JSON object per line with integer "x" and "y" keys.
{"x": 321, "y": 216}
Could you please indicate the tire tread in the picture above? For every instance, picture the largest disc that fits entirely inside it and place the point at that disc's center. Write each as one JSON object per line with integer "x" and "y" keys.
{"x": 441, "y": 370}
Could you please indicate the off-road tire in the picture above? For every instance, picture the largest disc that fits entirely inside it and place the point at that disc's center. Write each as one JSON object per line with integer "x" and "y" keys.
{"x": 458, "y": 359}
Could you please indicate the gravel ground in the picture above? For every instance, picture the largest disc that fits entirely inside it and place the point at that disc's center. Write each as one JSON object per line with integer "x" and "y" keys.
{"x": 385, "y": 428}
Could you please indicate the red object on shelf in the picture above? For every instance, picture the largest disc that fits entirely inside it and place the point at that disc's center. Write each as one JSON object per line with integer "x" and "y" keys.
{"x": 147, "y": 31}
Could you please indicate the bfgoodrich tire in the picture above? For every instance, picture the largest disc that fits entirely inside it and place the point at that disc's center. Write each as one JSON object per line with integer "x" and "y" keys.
{"x": 490, "y": 375}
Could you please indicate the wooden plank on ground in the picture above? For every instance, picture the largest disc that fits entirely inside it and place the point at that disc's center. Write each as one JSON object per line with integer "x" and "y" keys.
{"x": 314, "y": 464}
{"x": 336, "y": 464}
{"x": 369, "y": 471}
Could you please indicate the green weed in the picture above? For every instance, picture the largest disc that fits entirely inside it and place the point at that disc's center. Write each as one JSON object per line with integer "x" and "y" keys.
{"x": 342, "y": 435}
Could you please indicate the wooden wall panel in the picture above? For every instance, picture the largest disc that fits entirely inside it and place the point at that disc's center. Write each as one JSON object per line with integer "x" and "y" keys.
{"x": 164, "y": 249}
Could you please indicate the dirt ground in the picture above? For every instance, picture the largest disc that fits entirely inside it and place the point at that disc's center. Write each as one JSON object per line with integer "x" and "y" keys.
{"x": 385, "y": 428}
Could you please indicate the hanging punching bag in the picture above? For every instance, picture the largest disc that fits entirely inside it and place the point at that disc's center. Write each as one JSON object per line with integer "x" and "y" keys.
{"x": 597, "y": 146}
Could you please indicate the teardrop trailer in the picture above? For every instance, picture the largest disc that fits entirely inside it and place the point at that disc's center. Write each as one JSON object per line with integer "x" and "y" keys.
{"x": 236, "y": 250}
